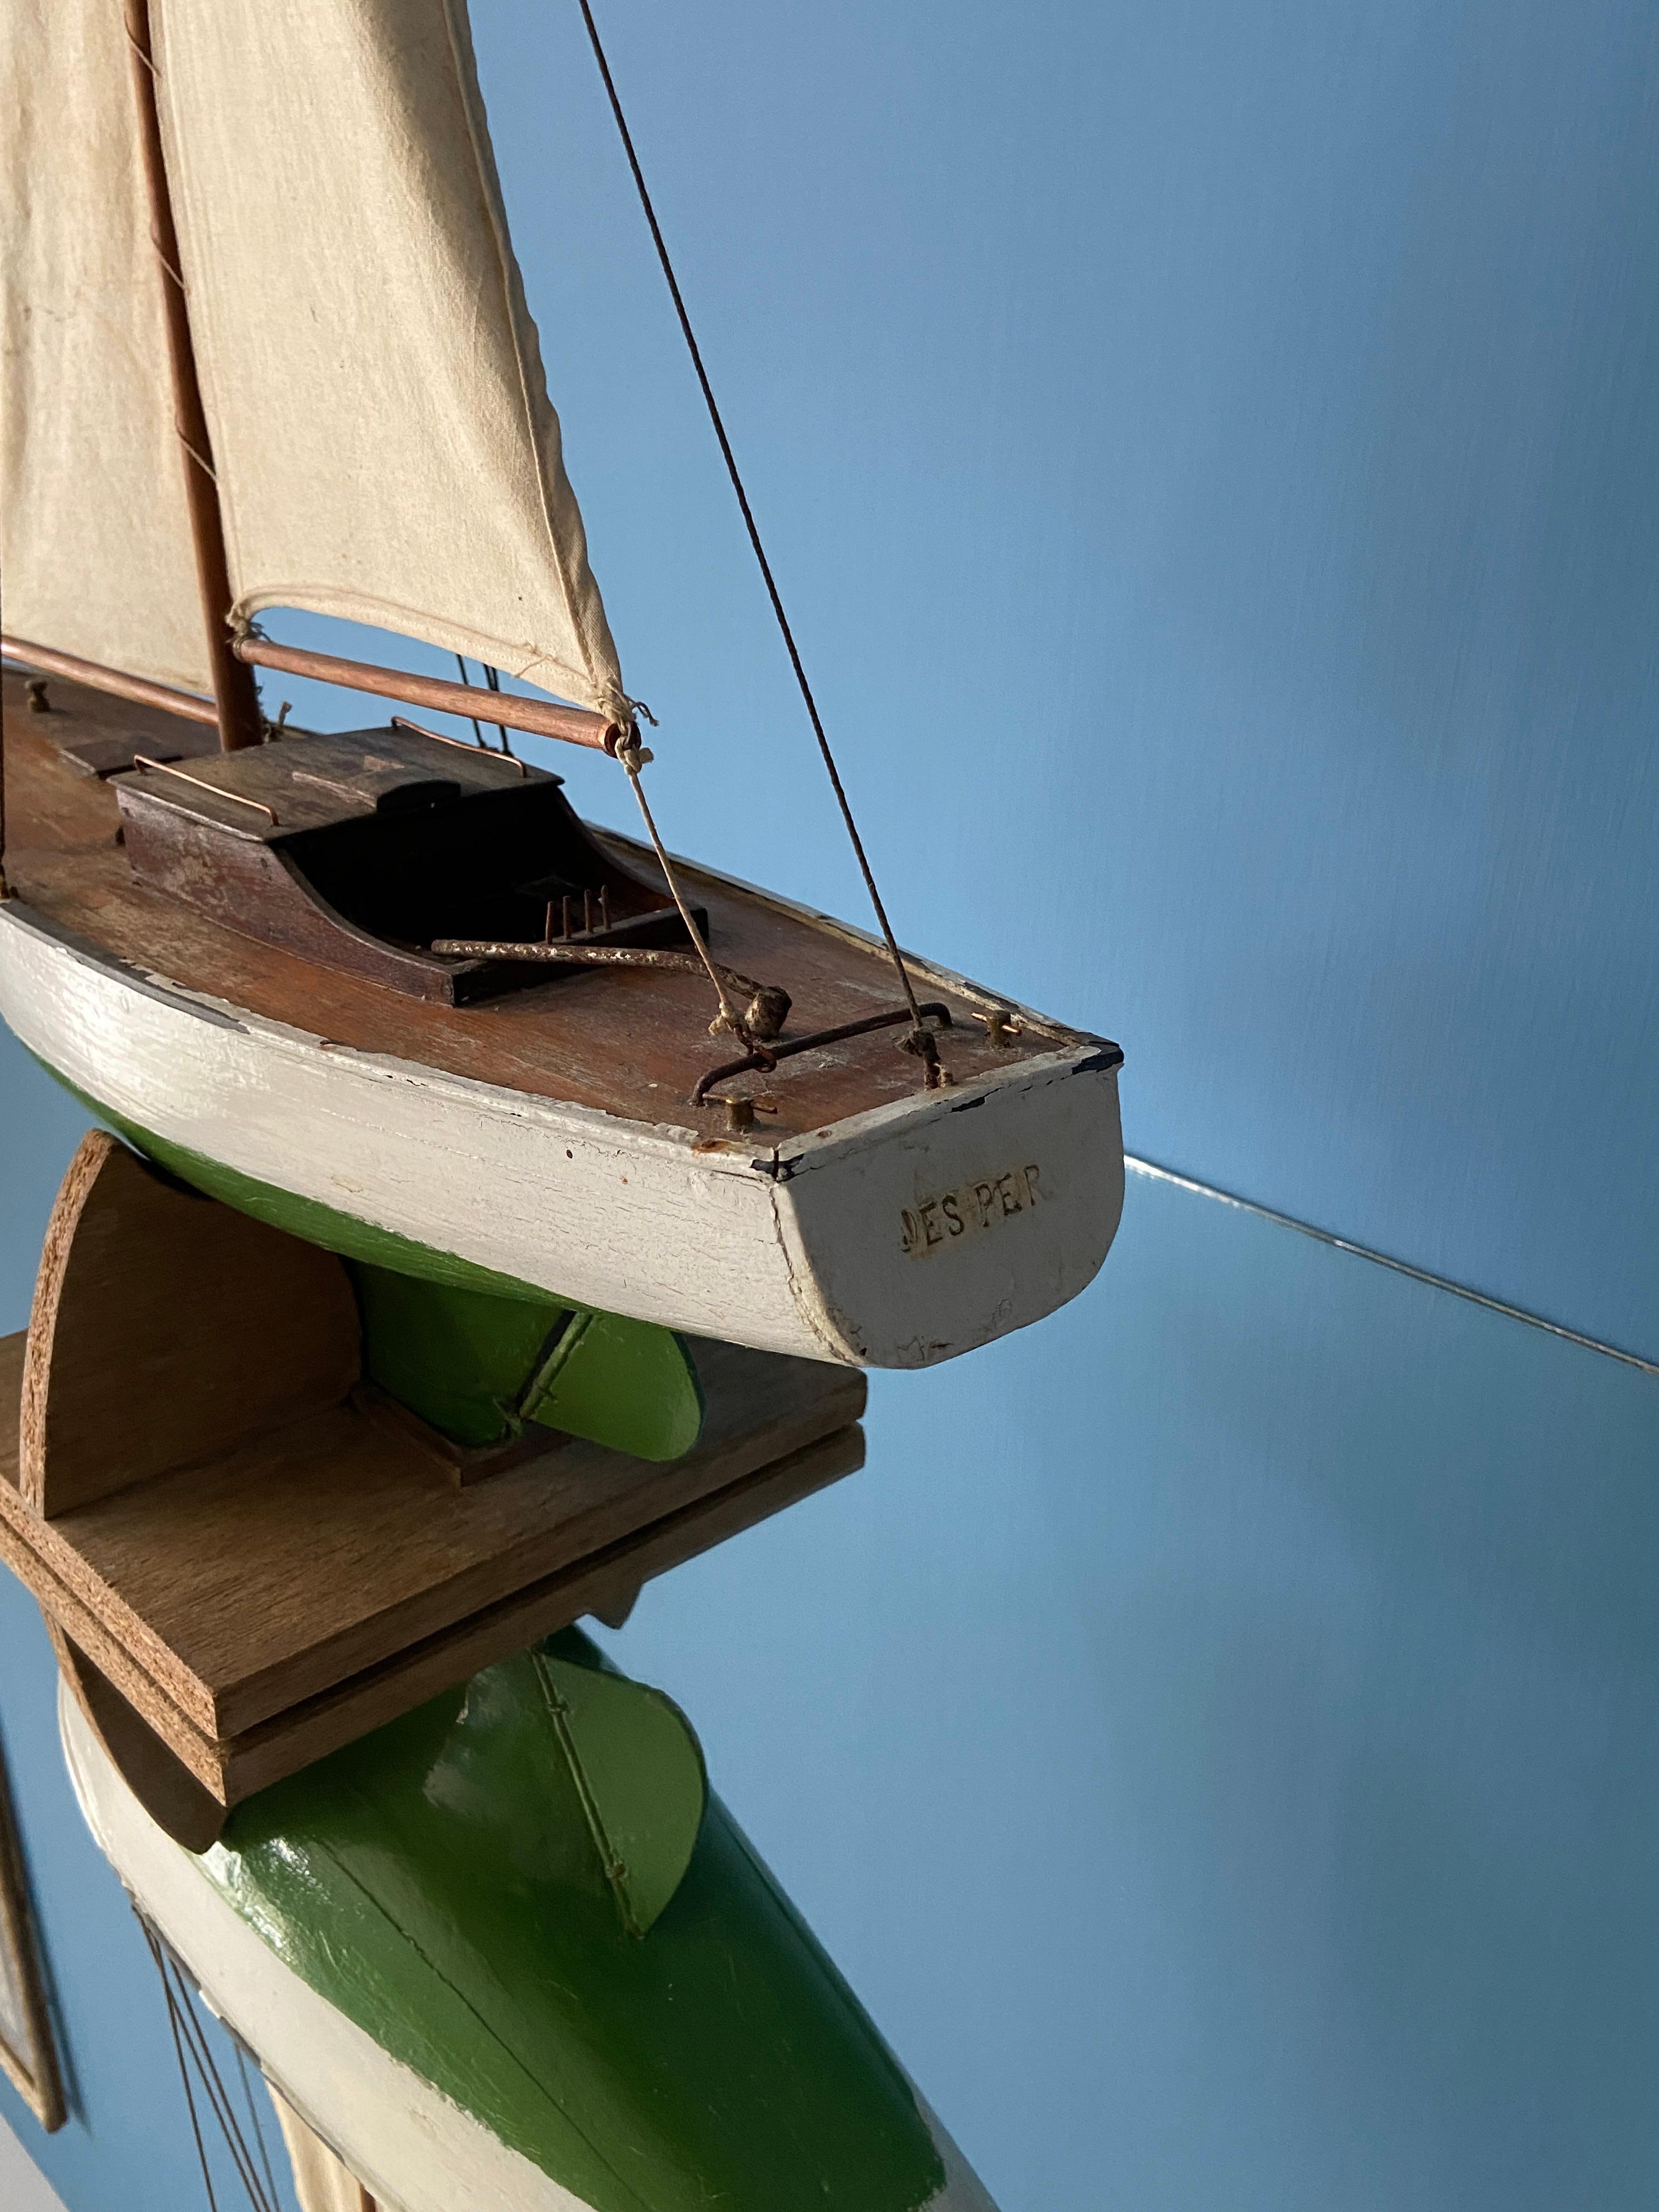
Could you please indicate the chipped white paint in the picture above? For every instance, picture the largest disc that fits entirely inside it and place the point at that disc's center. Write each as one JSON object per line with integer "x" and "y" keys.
{"x": 801, "y": 1248}
{"x": 414, "y": 2148}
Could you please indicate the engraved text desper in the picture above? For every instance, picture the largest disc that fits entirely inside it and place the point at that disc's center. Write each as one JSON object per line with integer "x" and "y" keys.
{"x": 933, "y": 1223}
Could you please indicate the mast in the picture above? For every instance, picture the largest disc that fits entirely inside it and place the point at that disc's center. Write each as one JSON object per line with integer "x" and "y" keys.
{"x": 235, "y": 695}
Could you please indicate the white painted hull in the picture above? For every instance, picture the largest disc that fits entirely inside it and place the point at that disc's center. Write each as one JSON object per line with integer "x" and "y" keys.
{"x": 415, "y": 2150}
{"x": 897, "y": 1239}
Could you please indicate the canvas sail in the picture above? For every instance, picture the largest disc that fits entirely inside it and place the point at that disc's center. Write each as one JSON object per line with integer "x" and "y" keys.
{"x": 384, "y": 442}
{"x": 95, "y": 551}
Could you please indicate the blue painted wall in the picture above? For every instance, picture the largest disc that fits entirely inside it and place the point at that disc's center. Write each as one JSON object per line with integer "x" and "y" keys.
{"x": 1210, "y": 454}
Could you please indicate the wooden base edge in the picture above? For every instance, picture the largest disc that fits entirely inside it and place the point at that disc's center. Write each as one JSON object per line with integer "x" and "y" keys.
{"x": 172, "y": 1767}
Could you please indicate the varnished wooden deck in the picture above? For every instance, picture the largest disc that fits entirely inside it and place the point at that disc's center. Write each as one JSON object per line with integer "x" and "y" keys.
{"x": 631, "y": 1044}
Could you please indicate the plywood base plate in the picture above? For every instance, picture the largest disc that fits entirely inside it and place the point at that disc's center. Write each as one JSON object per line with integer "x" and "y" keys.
{"x": 260, "y": 1612}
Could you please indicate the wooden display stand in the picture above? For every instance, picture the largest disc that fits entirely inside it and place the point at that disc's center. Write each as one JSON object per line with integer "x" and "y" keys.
{"x": 249, "y": 1554}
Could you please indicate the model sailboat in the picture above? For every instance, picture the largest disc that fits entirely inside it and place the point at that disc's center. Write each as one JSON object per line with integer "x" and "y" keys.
{"x": 267, "y": 346}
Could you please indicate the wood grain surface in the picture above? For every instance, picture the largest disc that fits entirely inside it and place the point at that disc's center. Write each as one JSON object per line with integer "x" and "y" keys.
{"x": 233, "y": 1768}
{"x": 253, "y": 1610}
{"x": 630, "y": 1042}
{"x": 166, "y": 1329}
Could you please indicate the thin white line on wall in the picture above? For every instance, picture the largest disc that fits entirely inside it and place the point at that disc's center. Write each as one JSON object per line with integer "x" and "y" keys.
{"x": 1151, "y": 1168}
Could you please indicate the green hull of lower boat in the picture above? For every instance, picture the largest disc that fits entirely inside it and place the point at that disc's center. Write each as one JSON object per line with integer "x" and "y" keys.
{"x": 477, "y": 1354}
{"x": 469, "y": 1886}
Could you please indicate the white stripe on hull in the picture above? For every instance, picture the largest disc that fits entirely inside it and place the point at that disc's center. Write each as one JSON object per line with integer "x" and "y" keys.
{"x": 414, "y": 2150}
{"x": 898, "y": 1239}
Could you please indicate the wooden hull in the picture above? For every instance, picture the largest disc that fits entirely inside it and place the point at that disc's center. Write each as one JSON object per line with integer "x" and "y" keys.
{"x": 907, "y": 1235}
{"x": 549, "y": 1139}
{"x": 419, "y": 2149}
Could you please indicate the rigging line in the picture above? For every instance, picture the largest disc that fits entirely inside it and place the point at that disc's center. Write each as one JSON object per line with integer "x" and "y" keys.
{"x": 177, "y": 1988}
{"x": 200, "y": 459}
{"x": 253, "y": 2114}
{"x": 461, "y": 664}
{"x": 219, "y": 2096}
{"x": 633, "y": 757}
{"x": 144, "y": 56}
{"x": 920, "y": 1035}
{"x": 160, "y": 253}
{"x": 492, "y": 677}
{"x": 184, "y": 2074}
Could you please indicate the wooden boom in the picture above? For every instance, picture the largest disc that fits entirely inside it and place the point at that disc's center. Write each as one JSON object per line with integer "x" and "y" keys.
{"x": 576, "y": 725}
{"x": 97, "y": 677}
{"x": 542, "y": 718}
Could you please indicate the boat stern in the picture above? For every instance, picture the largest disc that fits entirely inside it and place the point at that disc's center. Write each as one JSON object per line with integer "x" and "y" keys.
{"x": 926, "y": 1229}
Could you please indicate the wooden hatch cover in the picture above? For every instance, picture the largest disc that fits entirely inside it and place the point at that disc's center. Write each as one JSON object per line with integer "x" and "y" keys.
{"x": 357, "y": 850}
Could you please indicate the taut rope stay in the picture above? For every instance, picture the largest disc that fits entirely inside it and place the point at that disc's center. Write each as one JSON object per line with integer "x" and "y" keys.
{"x": 627, "y": 748}
{"x": 194, "y": 2055}
{"x": 921, "y": 1039}
{"x": 634, "y": 756}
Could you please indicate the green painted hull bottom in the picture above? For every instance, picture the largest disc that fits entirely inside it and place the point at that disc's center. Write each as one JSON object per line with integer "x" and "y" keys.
{"x": 477, "y": 1354}
{"x": 451, "y": 1883}
{"x": 480, "y": 1367}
